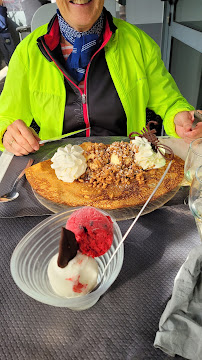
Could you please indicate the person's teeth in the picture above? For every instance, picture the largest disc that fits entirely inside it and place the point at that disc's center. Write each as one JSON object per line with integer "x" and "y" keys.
{"x": 80, "y": 2}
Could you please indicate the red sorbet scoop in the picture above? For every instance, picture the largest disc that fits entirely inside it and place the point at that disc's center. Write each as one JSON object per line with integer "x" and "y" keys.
{"x": 93, "y": 231}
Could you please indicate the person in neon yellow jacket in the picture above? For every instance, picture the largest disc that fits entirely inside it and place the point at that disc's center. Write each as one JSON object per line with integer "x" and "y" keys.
{"x": 35, "y": 84}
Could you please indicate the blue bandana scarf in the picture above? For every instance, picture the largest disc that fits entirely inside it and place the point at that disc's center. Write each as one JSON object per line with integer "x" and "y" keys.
{"x": 84, "y": 45}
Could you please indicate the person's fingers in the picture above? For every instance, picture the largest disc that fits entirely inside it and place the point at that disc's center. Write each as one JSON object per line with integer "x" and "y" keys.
{"x": 187, "y": 127}
{"x": 20, "y": 143}
{"x": 194, "y": 134}
{"x": 11, "y": 145}
{"x": 35, "y": 134}
{"x": 187, "y": 121}
{"x": 192, "y": 114}
{"x": 19, "y": 139}
{"x": 25, "y": 137}
{"x": 184, "y": 120}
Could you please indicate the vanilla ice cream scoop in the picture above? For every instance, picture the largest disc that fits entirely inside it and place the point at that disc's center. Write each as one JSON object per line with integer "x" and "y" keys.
{"x": 77, "y": 278}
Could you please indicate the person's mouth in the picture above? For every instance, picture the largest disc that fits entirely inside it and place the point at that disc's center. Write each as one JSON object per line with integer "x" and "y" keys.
{"x": 80, "y": 2}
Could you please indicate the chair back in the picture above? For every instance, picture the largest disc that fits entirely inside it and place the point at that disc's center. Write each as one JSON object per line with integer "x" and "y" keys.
{"x": 43, "y": 15}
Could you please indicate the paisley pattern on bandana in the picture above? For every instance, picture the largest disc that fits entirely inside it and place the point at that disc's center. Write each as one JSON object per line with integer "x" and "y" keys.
{"x": 84, "y": 45}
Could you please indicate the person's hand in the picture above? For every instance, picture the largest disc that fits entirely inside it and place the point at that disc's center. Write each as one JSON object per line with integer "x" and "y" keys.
{"x": 20, "y": 139}
{"x": 183, "y": 126}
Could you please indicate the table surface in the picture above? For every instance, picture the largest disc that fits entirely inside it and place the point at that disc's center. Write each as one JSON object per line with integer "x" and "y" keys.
{"x": 123, "y": 324}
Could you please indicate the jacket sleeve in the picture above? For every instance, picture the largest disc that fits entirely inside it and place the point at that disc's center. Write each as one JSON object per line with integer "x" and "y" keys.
{"x": 164, "y": 96}
{"x": 15, "y": 97}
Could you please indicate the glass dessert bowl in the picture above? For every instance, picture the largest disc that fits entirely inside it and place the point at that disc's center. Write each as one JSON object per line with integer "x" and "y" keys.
{"x": 30, "y": 259}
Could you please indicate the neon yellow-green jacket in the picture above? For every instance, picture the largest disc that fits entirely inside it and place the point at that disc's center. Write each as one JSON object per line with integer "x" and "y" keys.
{"x": 34, "y": 87}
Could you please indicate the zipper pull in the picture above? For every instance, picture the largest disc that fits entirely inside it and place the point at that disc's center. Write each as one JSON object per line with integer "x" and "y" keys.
{"x": 83, "y": 98}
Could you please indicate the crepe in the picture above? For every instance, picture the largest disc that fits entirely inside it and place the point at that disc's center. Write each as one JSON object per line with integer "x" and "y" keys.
{"x": 107, "y": 186}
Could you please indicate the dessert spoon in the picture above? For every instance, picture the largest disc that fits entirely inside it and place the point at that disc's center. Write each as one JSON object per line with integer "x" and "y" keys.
{"x": 131, "y": 226}
{"x": 13, "y": 194}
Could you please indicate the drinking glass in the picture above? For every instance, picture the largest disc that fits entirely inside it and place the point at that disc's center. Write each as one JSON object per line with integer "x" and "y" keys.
{"x": 195, "y": 199}
{"x": 193, "y": 159}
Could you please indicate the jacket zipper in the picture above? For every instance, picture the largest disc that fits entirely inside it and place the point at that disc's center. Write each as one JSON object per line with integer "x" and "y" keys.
{"x": 85, "y": 112}
{"x": 84, "y": 97}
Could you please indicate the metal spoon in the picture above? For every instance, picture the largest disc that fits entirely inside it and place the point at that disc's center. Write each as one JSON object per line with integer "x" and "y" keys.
{"x": 13, "y": 194}
{"x": 197, "y": 118}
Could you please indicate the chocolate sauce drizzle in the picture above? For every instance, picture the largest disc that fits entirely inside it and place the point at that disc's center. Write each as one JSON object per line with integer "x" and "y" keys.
{"x": 152, "y": 138}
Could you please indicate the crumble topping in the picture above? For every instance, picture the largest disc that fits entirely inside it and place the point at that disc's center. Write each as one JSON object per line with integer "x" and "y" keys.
{"x": 111, "y": 164}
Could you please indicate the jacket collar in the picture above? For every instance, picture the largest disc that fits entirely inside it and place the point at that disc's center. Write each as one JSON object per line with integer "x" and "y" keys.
{"x": 52, "y": 37}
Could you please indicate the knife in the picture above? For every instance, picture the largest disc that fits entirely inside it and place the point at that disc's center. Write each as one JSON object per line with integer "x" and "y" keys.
{"x": 62, "y": 136}
{"x": 6, "y": 157}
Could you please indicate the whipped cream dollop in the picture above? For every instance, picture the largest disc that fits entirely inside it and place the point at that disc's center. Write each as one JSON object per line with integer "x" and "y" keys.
{"x": 69, "y": 163}
{"x": 145, "y": 156}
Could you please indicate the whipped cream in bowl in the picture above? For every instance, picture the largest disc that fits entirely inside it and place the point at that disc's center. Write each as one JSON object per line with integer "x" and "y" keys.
{"x": 69, "y": 163}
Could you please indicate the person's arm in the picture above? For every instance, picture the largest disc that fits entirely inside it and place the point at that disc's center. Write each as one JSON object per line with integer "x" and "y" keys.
{"x": 15, "y": 134}
{"x": 166, "y": 99}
